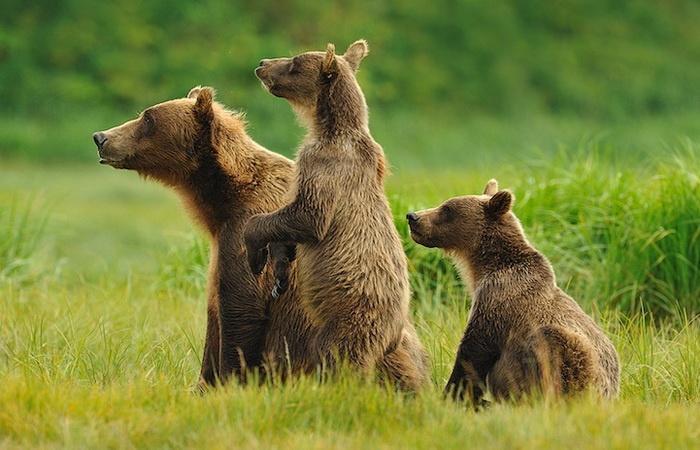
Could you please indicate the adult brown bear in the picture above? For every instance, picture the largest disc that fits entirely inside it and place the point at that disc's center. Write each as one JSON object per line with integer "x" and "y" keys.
{"x": 201, "y": 150}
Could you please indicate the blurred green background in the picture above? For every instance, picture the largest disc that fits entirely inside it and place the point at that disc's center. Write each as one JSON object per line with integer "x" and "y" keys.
{"x": 589, "y": 111}
{"x": 448, "y": 82}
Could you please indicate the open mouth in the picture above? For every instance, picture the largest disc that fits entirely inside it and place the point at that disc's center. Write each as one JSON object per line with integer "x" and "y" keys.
{"x": 116, "y": 163}
{"x": 108, "y": 162}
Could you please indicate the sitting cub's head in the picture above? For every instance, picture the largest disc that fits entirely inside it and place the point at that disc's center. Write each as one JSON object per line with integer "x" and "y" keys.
{"x": 461, "y": 223}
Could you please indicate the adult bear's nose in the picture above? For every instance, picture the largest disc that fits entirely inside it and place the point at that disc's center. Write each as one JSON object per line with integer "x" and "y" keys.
{"x": 412, "y": 217}
{"x": 100, "y": 138}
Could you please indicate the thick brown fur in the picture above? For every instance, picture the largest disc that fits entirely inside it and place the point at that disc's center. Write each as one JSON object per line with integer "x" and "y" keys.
{"x": 352, "y": 271}
{"x": 201, "y": 150}
{"x": 525, "y": 335}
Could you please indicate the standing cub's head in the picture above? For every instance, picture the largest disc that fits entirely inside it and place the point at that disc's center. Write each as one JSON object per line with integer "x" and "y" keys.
{"x": 465, "y": 224}
{"x": 302, "y": 78}
{"x": 166, "y": 141}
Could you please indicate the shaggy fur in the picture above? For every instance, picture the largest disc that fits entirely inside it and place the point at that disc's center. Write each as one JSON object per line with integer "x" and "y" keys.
{"x": 352, "y": 271}
{"x": 524, "y": 333}
{"x": 202, "y": 151}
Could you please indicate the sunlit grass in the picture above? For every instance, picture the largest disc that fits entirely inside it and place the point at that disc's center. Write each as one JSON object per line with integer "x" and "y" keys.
{"x": 105, "y": 351}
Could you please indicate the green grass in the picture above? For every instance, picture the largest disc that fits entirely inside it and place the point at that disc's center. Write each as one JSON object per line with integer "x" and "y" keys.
{"x": 100, "y": 346}
{"x": 20, "y": 232}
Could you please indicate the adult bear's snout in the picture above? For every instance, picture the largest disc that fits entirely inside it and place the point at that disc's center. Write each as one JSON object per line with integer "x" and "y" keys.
{"x": 412, "y": 217}
{"x": 100, "y": 138}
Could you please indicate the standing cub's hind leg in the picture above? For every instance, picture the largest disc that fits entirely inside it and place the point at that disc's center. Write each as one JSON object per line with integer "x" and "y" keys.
{"x": 407, "y": 365}
{"x": 551, "y": 361}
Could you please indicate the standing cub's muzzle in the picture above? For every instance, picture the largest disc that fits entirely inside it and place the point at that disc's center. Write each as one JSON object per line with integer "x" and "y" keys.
{"x": 262, "y": 70}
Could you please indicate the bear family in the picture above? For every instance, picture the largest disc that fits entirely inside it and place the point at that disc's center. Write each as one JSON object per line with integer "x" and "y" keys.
{"x": 351, "y": 267}
{"x": 202, "y": 151}
{"x": 525, "y": 335}
{"x": 336, "y": 282}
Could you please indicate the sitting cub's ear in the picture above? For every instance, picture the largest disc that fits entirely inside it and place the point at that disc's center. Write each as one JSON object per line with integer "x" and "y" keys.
{"x": 499, "y": 204}
{"x": 356, "y": 53}
{"x": 330, "y": 65}
{"x": 491, "y": 187}
{"x": 203, "y": 105}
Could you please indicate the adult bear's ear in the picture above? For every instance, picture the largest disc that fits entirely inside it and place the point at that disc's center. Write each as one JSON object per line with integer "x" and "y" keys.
{"x": 356, "y": 53}
{"x": 330, "y": 65}
{"x": 491, "y": 187}
{"x": 203, "y": 107}
{"x": 499, "y": 204}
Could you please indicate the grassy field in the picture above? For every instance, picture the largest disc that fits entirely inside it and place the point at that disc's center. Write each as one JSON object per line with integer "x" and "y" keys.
{"x": 101, "y": 281}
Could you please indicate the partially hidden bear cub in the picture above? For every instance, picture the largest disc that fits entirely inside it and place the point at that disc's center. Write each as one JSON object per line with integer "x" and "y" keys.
{"x": 351, "y": 268}
{"x": 525, "y": 335}
{"x": 202, "y": 151}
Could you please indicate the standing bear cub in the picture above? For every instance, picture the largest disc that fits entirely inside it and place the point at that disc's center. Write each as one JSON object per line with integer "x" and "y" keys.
{"x": 351, "y": 269}
{"x": 525, "y": 335}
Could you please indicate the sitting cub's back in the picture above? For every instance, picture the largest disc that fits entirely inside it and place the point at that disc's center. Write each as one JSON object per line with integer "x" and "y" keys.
{"x": 546, "y": 324}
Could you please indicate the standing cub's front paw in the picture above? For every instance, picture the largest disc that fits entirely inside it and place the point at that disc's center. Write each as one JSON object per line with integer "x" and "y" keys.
{"x": 257, "y": 258}
{"x": 256, "y": 250}
{"x": 280, "y": 287}
{"x": 281, "y": 256}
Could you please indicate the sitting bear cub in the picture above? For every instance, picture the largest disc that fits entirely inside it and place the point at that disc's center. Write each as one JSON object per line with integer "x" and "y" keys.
{"x": 525, "y": 335}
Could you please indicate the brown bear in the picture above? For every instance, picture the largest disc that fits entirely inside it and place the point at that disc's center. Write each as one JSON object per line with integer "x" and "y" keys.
{"x": 525, "y": 335}
{"x": 203, "y": 152}
{"x": 352, "y": 271}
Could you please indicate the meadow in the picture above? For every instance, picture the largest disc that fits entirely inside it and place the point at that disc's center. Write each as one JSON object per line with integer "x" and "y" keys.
{"x": 588, "y": 110}
{"x": 103, "y": 315}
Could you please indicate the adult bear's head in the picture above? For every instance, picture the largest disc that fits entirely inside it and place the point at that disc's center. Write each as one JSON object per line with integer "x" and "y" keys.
{"x": 166, "y": 141}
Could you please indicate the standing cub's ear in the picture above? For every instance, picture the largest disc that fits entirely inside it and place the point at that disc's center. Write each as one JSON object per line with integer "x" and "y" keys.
{"x": 491, "y": 187}
{"x": 356, "y": 53}
{"x": 203, "y": 105}
{"x": 499, "y": 204}
{"x": 330, "y": 65}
